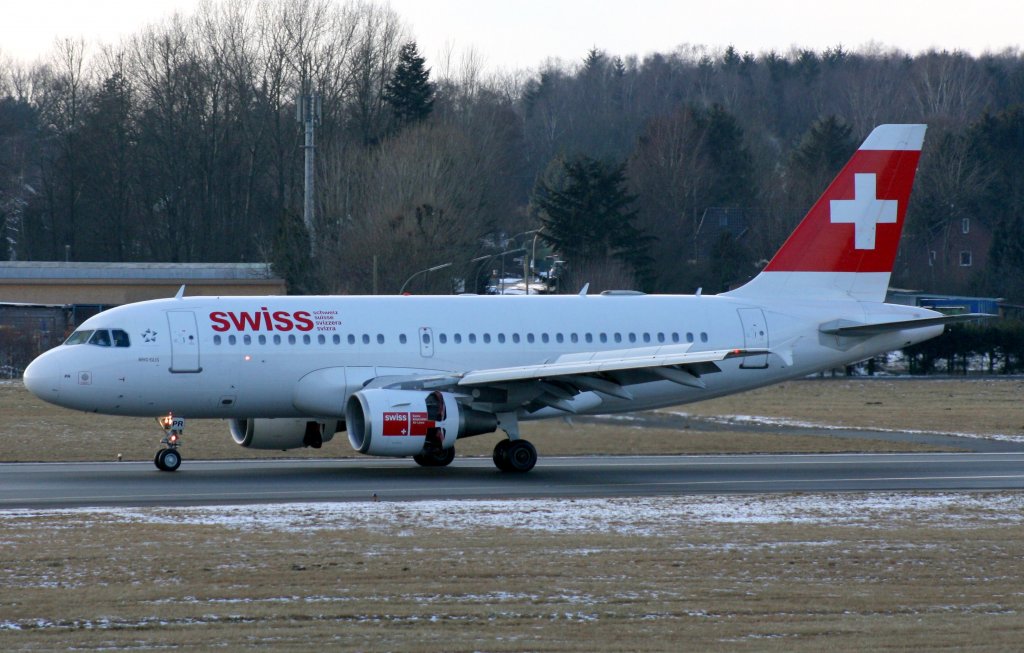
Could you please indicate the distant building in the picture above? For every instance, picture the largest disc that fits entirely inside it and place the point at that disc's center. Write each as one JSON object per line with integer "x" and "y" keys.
{"x": 946, "y": 258}
{"x": 42, "y": 302}
{"x": 91, "y": 287}
{"x": 946, "y": 303}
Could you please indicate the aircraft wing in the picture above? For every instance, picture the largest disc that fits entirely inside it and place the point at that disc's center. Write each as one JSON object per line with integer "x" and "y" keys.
{"x": 608, "y": 361}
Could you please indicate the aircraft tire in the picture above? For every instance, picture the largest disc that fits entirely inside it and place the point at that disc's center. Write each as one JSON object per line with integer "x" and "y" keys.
{"x": 500, "y": 455}
{"x": 168, "y": 460}
{"x": 520, "y": 456}
{"x": 435, "y": 458}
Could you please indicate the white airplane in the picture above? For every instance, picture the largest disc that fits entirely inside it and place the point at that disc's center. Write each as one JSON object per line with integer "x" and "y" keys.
{"x": 408, "y": 376}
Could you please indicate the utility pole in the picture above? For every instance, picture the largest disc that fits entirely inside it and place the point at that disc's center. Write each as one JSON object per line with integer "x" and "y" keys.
{"x": 308, "y": 112}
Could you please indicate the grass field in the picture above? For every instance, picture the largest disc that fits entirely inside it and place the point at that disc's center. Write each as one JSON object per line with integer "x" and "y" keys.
{"x": 777, "y": 573}
{"x": 787, "y": 573}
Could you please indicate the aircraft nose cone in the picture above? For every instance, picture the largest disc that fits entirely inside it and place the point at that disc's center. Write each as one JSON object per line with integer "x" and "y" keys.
{"x": 42, "y": 378}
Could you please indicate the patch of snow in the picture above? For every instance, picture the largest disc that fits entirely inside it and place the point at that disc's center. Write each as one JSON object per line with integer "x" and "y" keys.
{"x": 762, "y": 420}
{"x": 643, "y": 516}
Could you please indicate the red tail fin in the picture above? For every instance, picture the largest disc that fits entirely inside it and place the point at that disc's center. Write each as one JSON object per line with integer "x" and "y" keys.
{"x": 846, "y": 244}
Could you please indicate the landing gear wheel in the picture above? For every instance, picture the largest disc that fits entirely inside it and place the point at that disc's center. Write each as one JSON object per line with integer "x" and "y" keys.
{"x": 168, "y": 460}
{"x": 517, "y": 456}
{"x": 500, "y": 455}
{"x": 435, "y": 457}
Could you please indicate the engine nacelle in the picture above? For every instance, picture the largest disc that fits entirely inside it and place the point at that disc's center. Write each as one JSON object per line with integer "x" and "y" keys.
{"x": 400, "y": 422}
{"x": 283, "y": 433}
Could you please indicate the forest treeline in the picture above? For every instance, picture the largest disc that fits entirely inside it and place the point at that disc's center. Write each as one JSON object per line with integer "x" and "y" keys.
{"x": 181, "y": 144}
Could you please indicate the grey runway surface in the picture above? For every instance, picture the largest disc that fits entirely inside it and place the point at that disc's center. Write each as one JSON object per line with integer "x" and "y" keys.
{"x": 65, "y": 485}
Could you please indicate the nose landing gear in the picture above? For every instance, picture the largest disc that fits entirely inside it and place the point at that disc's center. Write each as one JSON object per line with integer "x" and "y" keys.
{"x": 169, "y": 458}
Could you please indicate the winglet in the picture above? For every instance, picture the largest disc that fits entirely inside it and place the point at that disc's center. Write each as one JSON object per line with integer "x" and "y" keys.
{"x": 181, "y": 292}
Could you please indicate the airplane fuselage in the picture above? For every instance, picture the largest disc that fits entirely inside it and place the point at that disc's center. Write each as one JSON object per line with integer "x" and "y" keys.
{"x": 210, "y": 357}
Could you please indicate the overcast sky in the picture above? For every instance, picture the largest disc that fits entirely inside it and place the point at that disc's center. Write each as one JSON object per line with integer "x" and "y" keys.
{"x": 523, "y": 33}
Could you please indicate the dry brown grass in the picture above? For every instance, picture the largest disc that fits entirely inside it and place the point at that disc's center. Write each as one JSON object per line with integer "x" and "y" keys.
{"x": 94, "y": 582}
{"x": 982, "y": 405}
{"x": 34, "y": 431}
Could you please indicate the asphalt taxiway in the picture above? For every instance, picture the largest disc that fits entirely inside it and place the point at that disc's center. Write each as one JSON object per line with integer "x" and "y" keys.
{"x": 68, "y": 485}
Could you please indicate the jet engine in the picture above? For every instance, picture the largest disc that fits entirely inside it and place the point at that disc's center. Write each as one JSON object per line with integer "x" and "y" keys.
{"x": 385, "y": 422}
{"x": 284, "y": 433}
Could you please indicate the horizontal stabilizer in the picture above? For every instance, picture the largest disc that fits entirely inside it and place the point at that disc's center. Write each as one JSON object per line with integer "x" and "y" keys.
{"x": 855, "y": 329}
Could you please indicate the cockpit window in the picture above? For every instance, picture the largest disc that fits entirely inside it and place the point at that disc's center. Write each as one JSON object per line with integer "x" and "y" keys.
{"x": 100, "y": 337}
{"x": 78, "y": 337}
{"x": 120, "y": 338}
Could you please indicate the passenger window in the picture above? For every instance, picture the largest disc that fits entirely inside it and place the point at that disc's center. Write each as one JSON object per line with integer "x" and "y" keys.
{"x": 515, "y": 338}
{"x": 380, "y": 338}
{"x": 216, "y": 340}
{"x": 426, "y": 338}
{"x": 559, "y": 337}
{"x": 277, "y": 339}
{"x": 604, "y": 337}
{"x": 232, "y": 340}
{"x": 402, "y": 339}
{"x": 487, "y": 338}
{"x": 647, "y": 337}
{"x": 336, "y": 339}
{"x": 120, "y": 338}
{"x": 442, "y": 338}
{"x": 100, "y": 337}
{"x": 632, "y": 337}
{"x": 366, "y": 338}
{"x": 472, "y": 338}
{"x": 501, "y": 338}
{"x": 574, "y": 337}
{"x": 78, "y": 337}
{"x": 291, "y": 338}
{"x": 458, "y": 338}
{"x": 529, "y": 337}
{"x": 689, "y": 337}
{"x": 320, "y": 339}
{"x": 306, "y": 339}
{"x": 590, "y": 337}
{"x": 675, "y": 337}
{"x": 247, "y": 339}
{"x": 352, "y": 338}
{"x": 703, "y": 336}
{"x": 262, "y": 339}
{"x": 544, "y": 338}
{"x": 661, "y": 337}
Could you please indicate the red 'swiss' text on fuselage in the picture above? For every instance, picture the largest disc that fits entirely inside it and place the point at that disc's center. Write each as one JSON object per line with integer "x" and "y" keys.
{"x": 261, "y": 319}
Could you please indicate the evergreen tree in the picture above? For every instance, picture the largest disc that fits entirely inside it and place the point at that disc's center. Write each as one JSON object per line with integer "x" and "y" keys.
{"x": 587, "y": 216}
{"x": 409, "y": 92}
{"x": 291, "y": 259}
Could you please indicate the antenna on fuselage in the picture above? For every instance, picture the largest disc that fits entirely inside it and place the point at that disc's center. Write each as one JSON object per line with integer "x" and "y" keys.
{"x": 180, "y": 293}
{"x": 584, "y": 289}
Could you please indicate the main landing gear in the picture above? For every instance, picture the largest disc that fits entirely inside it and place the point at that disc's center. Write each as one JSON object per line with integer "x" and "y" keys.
{"x": 435, "y": 456}
{"x": 514, "y": 456}
{"x": 169, "y": 458}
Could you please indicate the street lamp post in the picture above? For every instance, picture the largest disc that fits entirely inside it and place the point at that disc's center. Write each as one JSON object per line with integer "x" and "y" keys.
{"x": 401, "y": 291}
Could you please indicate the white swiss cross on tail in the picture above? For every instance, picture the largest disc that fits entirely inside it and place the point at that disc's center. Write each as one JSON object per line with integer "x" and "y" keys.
{"x": 865, "y": 210}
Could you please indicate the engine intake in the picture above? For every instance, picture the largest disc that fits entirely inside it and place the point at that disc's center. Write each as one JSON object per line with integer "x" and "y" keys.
{"x": 283, "y": 433}
{"x": 385, "y": 422}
